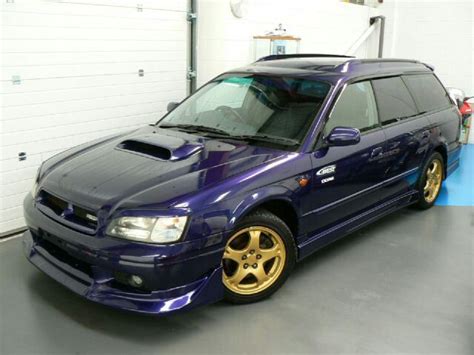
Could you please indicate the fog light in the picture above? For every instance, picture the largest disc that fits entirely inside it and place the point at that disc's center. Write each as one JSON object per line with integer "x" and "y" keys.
{"x": 135, "y": 281}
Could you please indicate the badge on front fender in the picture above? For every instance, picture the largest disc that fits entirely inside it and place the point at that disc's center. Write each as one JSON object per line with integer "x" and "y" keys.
{"x": 330, "y": 169}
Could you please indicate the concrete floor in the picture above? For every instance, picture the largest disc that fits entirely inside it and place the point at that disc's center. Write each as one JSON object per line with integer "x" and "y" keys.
{"x": 402, "y": 285}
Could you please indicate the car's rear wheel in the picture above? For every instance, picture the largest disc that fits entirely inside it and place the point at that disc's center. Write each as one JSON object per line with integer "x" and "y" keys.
{"x": 429, "y": 185}
{"x": 258, "y": 258}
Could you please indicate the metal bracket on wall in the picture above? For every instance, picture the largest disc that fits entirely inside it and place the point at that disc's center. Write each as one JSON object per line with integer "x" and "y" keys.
{"x": 191, "y": 16}
{"x": 16, "y": 80}
{"x": 191, "y": 74}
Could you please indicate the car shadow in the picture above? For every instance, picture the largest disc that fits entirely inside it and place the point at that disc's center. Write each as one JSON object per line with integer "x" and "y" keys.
{"x": 351, "y": 240}
{"x": 152, "y": 330}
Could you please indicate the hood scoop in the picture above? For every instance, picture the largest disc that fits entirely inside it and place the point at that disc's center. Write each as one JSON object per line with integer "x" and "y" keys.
{"x": 161, "y": 147}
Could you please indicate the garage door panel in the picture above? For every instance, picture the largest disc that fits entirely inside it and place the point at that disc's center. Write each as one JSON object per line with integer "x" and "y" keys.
{"x": 20, "y": 174}
{"x": 132, "y": 113}
{"x": 60, "y": 22}
{"x": 70, "y": 74}
{"x": 68, "y": 141}
{"x": 36, "y": 112}
{"x": 17, "y": 187}
{"x": 10, "y": 213}
{"x": 55, "y": 96}
{"x": 59, "y": 71}
{"x": 51, "y": 33}
{"x": 103, "y": 17}
{"x": 64, "y": 45}
{"x": 90, "y": 81}
{"x": 61, "y": 58}
{"x": 176, "y": 5}
{"x": 167, "y": 10}
{"x": 65, "y": 119}
{"x": 12, "y": 224}
{"x": 13, "y": 164}
{"x": 78, "y": 127}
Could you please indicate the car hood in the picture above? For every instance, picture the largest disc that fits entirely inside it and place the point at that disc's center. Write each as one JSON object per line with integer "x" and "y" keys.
{"x": 147, "y": 168}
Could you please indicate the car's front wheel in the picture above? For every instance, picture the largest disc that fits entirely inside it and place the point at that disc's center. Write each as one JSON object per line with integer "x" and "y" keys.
{"x": 431, "y": 179}
{"x": 258, "y": 258}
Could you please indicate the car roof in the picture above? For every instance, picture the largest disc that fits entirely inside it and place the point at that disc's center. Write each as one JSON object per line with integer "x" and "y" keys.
{"x": 333, "y": 66}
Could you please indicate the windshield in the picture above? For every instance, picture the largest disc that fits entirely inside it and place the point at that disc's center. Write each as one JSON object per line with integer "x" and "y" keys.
{"x": 242, "y": 106}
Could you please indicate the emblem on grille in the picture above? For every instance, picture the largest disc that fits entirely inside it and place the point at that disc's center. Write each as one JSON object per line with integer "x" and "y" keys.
{"x": 91, "y": 217}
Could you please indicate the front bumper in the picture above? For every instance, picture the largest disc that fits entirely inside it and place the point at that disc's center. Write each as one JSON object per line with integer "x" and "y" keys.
{"x": 185, "y": 278}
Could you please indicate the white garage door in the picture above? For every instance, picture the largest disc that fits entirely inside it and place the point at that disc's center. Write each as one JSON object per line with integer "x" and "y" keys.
{"x": 72, "y": 71}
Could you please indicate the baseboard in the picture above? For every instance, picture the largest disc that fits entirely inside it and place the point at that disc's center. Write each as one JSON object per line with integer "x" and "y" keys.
{"x": 13, "y": 232}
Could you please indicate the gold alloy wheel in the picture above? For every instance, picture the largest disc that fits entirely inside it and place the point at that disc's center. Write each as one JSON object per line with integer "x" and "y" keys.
{"x": 434, "y": 177}
{"x": 253, "y": 260}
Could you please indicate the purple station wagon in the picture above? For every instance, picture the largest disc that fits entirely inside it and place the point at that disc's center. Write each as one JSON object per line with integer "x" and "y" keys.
{"x": 258, "y": 169}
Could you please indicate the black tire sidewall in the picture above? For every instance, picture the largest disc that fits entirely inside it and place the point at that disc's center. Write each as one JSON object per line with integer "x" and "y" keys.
{"x": 266, "y": 219}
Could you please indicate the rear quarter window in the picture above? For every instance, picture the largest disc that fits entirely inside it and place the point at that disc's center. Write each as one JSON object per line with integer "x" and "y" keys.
{"x": 394, "y": 101}
{"x": 428, "y": 92}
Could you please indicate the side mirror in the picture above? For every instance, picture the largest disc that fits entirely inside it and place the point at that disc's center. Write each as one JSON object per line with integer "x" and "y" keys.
{"x": 171, "y": 106}
{"x": 342, "y": 136}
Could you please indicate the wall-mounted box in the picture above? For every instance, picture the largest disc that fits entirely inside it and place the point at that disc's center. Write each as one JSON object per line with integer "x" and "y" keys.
{"x": 275, "y": 44}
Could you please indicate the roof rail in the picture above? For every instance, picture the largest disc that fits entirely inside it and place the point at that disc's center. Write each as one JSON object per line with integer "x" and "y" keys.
{"x": 303, "y": 55}
{"x": 351, "y": 62}
{"x": 388, "y": 60}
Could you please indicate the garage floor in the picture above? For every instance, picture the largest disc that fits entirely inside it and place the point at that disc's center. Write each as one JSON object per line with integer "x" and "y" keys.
{"x": 402, "y": 285}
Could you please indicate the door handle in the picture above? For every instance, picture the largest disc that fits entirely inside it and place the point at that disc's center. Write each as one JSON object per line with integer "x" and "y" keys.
{"x": 376, "y": 152}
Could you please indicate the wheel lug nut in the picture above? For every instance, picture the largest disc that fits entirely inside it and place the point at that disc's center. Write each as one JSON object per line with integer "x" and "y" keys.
{"x": 252, "y": 251}
{"x": 246, "y": 266}
{"x": 254, "y": 266}
{"x": 259, "y": 256}
{"x": 244, "y": 257}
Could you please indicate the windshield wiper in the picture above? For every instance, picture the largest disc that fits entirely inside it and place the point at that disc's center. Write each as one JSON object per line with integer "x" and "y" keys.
{"x": 196, "y": 128}
{"x": 268, "y": 138}
{"x": 221, "y": 133}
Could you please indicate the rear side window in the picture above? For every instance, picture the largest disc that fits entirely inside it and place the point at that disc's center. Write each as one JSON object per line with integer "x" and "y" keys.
{"x": 394, "y": 101}
{"x": 355, "y": 108}
{"x": 428, "y": 92}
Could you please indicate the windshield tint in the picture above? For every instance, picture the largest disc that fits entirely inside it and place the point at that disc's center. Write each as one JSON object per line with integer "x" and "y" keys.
{"x": 252, "y": 106}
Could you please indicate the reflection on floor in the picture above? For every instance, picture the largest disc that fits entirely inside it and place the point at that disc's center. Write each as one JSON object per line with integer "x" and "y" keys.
{"x": 458, "y": 189}
{"x": 401, "y": 285}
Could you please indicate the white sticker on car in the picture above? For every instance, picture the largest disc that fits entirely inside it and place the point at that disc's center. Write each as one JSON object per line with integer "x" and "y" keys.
{"x": 323, "y": 181}
{"x": 326, "y": 170}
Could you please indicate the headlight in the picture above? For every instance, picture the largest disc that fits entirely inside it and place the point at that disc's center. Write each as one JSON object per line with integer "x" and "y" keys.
{"x": 148, "y": 230}
{"x": 34, "y": 189}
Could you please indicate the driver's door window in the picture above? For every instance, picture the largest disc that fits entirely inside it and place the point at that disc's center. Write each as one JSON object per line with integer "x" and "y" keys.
{"x": 355, "y": 108}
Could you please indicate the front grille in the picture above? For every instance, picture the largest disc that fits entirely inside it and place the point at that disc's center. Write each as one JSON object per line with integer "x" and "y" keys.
{"x": 68, "y": 211}
{"x": 53, "y": 245}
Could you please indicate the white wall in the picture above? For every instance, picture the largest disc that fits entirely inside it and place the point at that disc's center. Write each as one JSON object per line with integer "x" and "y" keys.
{"x": 325, "y": 26}
{"x": 78, "y": 63}
{"x": 439, "y": 32}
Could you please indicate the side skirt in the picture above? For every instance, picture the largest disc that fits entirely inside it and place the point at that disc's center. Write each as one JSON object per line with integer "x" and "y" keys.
{"x": 348, "y": 226}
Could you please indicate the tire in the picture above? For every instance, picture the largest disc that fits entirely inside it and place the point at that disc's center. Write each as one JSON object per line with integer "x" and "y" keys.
{"x": 426, "y": 199}
{"x": 261, "y": 253}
